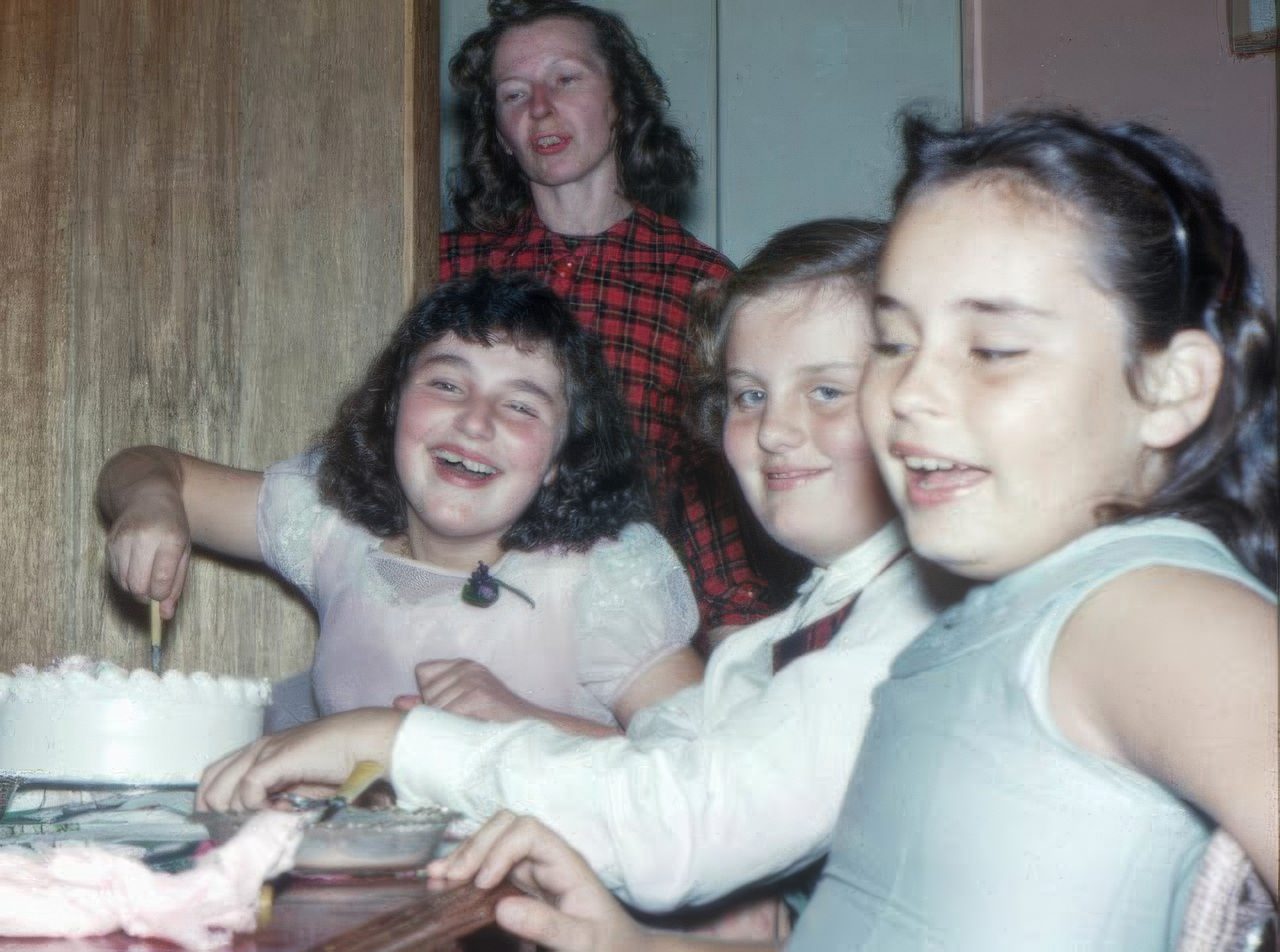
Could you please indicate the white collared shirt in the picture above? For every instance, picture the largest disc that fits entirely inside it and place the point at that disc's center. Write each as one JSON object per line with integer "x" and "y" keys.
{"x": 728, "y": 782}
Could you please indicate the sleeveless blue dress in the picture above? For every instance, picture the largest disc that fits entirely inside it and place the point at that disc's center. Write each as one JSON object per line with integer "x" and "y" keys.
{"x": 971, "y": 823}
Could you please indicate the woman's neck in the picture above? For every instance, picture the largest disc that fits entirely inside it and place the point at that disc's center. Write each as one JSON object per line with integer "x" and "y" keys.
{"x": 580, "y": 208}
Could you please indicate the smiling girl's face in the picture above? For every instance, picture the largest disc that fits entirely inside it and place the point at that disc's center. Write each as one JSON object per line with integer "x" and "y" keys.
{"x": 477, "y": 435}
{"x": 793, "y": 362}
{"x": 997, "y": 401}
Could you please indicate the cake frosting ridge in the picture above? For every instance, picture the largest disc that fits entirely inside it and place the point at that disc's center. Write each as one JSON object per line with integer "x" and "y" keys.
{"x": 80, "y": 720}
{"x": 79, "y": 676}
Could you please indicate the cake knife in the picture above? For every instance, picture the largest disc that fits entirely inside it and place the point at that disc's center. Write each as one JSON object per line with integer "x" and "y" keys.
{"x": 361, "y": 778}
{"x": 155, "y": 636}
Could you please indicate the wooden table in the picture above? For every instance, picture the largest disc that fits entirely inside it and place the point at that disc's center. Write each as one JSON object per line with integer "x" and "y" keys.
{"x": 376, "y": 915}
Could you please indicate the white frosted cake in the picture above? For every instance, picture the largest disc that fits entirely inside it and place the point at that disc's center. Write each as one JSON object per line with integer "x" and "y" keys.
{"x": 95, "y": 722}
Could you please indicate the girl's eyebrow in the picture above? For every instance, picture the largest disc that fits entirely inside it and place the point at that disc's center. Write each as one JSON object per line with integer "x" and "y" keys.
{"x": 826, "y": 367}
{"x": 1011, "y": 307}
{"x": 522, "y": 384}
{"x": 886, "y": 302}
{"x": 829, "y": 366}
{"x": 999, "y": 306}
{"x": 450, "y": 360}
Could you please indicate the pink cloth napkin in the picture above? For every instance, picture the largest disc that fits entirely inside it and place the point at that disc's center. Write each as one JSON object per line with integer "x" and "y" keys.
{"x": 87, "y": 890}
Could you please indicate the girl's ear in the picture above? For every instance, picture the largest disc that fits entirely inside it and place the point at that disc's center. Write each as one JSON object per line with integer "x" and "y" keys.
{"x": 552, "y": 473}
{"x": 1180, "y": 384}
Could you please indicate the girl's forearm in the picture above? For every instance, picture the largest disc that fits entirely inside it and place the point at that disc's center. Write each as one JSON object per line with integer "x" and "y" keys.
{"x": 134, "y": 471}
{"x": 215, "y": 505}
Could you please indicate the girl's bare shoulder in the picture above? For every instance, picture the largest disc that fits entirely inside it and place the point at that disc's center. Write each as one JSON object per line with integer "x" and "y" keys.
{"x": 1161, "y": 647}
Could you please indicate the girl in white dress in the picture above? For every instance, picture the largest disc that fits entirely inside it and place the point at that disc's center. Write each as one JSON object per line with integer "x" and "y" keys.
{"x": 471, "y": 529}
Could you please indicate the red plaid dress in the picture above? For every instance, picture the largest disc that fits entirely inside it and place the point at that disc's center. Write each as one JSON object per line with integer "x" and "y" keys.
{"x": 632, "y": 285}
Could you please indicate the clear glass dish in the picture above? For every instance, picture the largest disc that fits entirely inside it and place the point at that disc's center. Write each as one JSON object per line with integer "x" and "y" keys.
{"x": 355, "y": 841}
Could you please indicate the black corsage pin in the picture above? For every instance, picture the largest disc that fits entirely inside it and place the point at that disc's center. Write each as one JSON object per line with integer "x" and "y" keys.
{"x": 482, "y": 589}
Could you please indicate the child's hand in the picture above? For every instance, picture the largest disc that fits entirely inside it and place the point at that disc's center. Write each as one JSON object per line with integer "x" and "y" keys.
{"x": 468, "y": 687}
{"x": 149, "y": 548}
{"x": 321, "y": 752}
{"x": 575, "y": 914}
{"x": 157, "y": 502}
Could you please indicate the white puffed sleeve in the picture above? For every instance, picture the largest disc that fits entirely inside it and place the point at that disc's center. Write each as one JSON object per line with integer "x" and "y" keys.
{"x": 633, "y": 607}
{"x": 290, "y": 515}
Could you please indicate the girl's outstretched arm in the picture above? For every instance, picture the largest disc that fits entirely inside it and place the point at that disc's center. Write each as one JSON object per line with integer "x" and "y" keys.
{"x": 569, "y": 910}
{"x": 157, "y": 502}
{"x": 1173, "y": 672}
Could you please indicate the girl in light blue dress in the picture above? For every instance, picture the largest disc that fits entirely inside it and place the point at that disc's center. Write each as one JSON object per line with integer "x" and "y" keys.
{"x": 1073, "y": 401}
{"x": 1073, "y": 404}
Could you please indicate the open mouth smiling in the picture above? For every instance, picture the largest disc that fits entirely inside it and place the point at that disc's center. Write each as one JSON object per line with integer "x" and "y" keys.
{"x": 463, "y": 466}
{"x": 931, "y": 464}
{"x": 937, "y": 475}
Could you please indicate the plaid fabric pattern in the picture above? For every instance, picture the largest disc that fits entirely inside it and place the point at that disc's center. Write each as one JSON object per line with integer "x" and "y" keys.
{"x": 811, "y": 637}
{"x": 632, "y": 286}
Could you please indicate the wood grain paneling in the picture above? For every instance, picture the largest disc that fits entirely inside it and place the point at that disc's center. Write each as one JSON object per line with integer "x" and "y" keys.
{"x": 37, "y": 133}
{"x": 205, "y": 242}
{"x": 155, "y": 334}
{"x": 321, "y": 225}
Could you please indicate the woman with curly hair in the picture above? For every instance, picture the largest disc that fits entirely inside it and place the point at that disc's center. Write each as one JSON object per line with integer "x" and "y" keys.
{"x": 471, "y": 529}
{"x": 569, "y": 171}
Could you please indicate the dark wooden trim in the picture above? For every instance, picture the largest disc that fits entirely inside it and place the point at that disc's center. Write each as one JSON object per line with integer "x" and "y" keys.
{"x": 422, "y": 171}
{"x": 435, "y": 923}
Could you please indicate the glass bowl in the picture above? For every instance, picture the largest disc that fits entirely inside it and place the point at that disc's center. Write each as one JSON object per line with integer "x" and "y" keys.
{"x": 355, "y": 841}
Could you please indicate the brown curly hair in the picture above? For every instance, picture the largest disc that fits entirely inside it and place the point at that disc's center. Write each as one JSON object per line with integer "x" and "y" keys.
{"x": 656, "y": 164}
{"x": 599, "y": 486}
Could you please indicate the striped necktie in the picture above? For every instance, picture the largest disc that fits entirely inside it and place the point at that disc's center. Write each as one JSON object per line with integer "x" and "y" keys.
{"x": 811, "y": 637}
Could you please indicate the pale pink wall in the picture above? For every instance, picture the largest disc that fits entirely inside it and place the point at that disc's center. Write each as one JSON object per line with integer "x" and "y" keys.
{"x": 1165, "y": 62}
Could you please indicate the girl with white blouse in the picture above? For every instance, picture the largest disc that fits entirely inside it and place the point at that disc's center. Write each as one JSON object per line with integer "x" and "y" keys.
{"x": 471, "y": 529}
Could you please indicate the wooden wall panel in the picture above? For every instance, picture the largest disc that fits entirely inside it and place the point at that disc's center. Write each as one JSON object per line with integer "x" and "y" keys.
{"x": 37, "y": 130}
{"x": 321, "y": 229}
{"x": 205, "y": 244}
{"x": 155, "y": 334}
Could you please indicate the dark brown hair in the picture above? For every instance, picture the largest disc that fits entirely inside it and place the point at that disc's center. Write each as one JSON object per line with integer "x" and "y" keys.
{"x": 599, "y": 486}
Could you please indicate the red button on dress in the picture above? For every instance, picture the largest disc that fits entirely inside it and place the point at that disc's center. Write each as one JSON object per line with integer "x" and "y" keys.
{"x": 564, "y": 267}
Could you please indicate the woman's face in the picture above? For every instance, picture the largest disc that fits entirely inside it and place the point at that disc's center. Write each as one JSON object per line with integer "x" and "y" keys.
{"x": 477, "y": 435}
{"x": 997, "y": 402}
{"x": 793, "y": 361}
{"x": 554, "y": 104}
